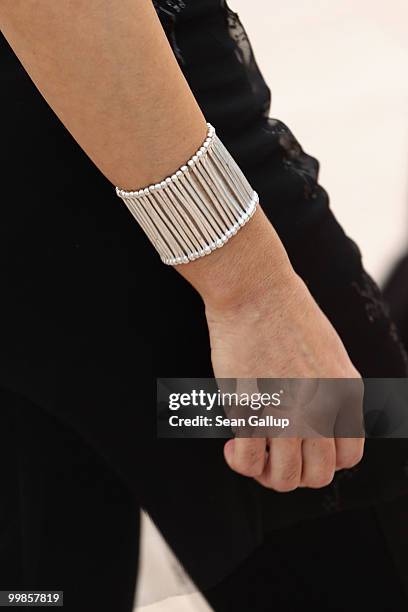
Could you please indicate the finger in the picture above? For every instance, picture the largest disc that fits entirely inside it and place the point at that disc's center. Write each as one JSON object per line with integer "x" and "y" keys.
{"x": 318, "y": 462}
{"x": 246, "y": 455}
{"x": 283, "y": 469}
{"x": 350, "y": 418}
{"x": 349, "y": 452}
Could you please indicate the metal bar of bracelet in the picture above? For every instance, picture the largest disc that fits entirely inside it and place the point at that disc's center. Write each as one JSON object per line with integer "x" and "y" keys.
{"x": 197, "y": 209}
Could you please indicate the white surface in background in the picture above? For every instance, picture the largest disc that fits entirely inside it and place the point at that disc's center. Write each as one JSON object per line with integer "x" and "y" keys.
{"x": 163, "y": 586}
{"x": 160, "y": 574}
{"x": 338, "y": 70}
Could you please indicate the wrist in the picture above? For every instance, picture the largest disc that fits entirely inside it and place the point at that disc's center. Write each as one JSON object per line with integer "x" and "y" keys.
{"x": 251, "y": 268}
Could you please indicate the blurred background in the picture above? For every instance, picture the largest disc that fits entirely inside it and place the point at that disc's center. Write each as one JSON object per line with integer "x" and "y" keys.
{"x": 338, "y": 70}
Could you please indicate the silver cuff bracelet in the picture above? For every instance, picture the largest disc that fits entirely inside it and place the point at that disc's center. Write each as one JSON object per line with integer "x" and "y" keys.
{"x": 197, "y": 209}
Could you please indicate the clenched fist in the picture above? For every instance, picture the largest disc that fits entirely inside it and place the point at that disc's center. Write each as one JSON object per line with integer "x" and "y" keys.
{"x": 263, "y": 323}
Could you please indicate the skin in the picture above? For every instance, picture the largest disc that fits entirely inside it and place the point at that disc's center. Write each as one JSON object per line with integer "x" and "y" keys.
{"x": 108, "y": 72}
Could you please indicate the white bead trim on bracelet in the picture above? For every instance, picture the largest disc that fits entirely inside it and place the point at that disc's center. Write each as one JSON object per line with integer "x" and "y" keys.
{"x": 196, "y": 210}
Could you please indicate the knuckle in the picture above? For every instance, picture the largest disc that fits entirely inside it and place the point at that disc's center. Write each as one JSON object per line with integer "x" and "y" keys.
{"x": 318, "y": 482}
{"x": 288, "y": 478}
{"x": 284, "y": 486}
{"x": 350, "y": 458}
{"x": 254, "y": 469}
{"x": 320, "y": 478}
{"x": 290, "y": 473}
{"x": 327, "y": 456}
{"x": 249, "y": 465}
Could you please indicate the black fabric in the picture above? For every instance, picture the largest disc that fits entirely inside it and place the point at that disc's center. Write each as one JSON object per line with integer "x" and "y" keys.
{"x": 89, "y": 316}
{"x": 69, "y": 523}
{"x": 396, "y": 295}
{"x": 338, "y": 563}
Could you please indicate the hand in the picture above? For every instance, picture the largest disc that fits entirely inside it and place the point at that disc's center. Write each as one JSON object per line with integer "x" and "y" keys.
{"x": 264, "y": 323}
{"x": 280, "y": 336}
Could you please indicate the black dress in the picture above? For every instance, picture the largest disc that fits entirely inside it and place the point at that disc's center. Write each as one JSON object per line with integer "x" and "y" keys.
{"x": 85, "y": 329}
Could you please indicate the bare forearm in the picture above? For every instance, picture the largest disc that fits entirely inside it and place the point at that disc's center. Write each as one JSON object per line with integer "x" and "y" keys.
{"x": 108, "y": 72}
